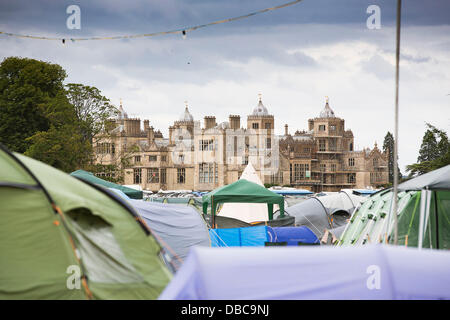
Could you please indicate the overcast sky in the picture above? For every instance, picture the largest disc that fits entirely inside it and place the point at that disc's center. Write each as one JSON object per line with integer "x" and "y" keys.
{"x": 294, "y": 57}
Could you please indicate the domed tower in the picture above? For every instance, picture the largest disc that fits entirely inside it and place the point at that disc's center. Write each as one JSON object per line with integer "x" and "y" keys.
{"x": 260, "y": 118}
{"x": 185, "y": 124}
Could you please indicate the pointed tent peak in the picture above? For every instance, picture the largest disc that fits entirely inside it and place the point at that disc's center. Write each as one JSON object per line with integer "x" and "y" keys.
{"x": 327, "y": 112}
{"x": 250, "y": 174}
{"x": 186, "y": 115}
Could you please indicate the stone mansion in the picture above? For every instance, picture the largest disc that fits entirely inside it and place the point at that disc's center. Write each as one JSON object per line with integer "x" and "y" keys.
{"x": 202, "y": 158}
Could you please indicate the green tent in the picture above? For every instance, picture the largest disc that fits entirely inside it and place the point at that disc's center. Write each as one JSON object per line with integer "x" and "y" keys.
{"x": 90, "y": 177}
{"x": 373, "y": 223}
{"x": 61, "y": 238}
{"x": 242, "y": 191}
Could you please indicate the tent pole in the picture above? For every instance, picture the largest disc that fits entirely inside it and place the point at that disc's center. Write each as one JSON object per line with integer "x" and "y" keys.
{"x": 437, "y": 221}
{"x": 213, "y": 213}
{"x": 423, "y": 200}
{"x": 397, "y": 60}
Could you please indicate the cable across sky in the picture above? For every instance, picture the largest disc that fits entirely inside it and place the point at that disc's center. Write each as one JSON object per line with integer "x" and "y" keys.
{"x": 182, "y": 31}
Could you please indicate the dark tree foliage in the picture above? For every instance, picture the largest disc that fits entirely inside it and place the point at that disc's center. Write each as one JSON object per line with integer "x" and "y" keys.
{"x": 43, "y": 120}
{"x": 27, "y": 86}
{"x": 434, "y": 152}
{"x": 388, "y": 147}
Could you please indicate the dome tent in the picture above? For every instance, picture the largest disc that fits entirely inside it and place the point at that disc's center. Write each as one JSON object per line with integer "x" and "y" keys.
{"x": 90, "y": 177}
{"x": 179, "y": 227}
{"x": 53, "y": 223}
{"x": 321, "y": 273}
{"x": 325, "y": 212}
{"x": 423, "y": 214}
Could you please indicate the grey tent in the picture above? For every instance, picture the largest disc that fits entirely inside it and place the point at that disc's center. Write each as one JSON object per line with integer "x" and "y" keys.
{"x": 177, "y": 227}
{"x": 438, "y": 179}
{"x": 325, "y": 212}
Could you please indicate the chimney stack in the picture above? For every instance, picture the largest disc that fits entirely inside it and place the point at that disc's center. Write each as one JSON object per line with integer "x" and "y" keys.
{"x": 235, "y": 121}
{"x": 286, "y": 131}
{"x": 210, "y": 122}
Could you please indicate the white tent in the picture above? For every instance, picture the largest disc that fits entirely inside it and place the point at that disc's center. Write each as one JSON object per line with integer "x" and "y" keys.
{"x": 247, "y": 212}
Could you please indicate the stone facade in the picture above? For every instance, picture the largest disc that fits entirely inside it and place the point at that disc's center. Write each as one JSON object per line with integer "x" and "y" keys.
{"x": 203, "y": 158}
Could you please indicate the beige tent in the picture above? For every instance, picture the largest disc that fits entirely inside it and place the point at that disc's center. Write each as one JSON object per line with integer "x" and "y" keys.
{"x": 247, "y": 212}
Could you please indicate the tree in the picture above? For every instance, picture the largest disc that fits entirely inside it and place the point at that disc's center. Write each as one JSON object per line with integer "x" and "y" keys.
{"x": 428, "y": 150}
{"x": 42, "y": 119}
{"x": 434, "y": 152}
{"x": 61, "y": 146}
{"x": 27, "y": 86}
{"x": 92, "y": 110}
{"x": 388, "y": 148}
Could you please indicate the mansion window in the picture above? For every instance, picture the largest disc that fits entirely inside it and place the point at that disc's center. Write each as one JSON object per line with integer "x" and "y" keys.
{"x": 245, "y": 160}
{"x": 268, "y": 143}
{"x": 351, "y": 178}
{"x": 208, "y": 173}
{"x": 332, "y": 145}
{"x": 163, "y": 175}
{"x": 322, "y": 127}
{"x": 106, "y": 148}
{"x": 333, "y": 167}
{"x": 300, "y": 171}
{"x": 375, "y": 163}
{"x": 333, "y": 179}
{"x": 276, "y": 178}
{"x": 181, "y": 158}
{"x": 255, "y": 125}
{"x": 351, "y": 162}
{"x": 153, "y": 175}
{"x": 376, "y": 177}
{"x": 152, "y": 158}
{"x": 323, "y": 167}
{"x": 137, "y": 176}
{"x": 322, "y": 144}
{"x": 163, "y": 158}
{"x": 332, "y": 127}
{"x": 181, "y": 175}
{"x": 206, "y": 145}
{"x": 137, "y": 159}
{"x": 268, "y": 125}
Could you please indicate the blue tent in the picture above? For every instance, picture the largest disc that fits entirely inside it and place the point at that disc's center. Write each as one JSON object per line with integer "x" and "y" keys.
{"x": 306, "y": 272}
{"x": 295, "y": 235}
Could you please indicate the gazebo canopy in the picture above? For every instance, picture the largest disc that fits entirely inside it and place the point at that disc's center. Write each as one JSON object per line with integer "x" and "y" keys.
{"x": 243, "y": 191}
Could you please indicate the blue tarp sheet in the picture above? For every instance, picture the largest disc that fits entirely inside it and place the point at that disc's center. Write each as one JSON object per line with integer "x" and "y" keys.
{"x": 294, "y": 235}
{"x": 239, "y": 237}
